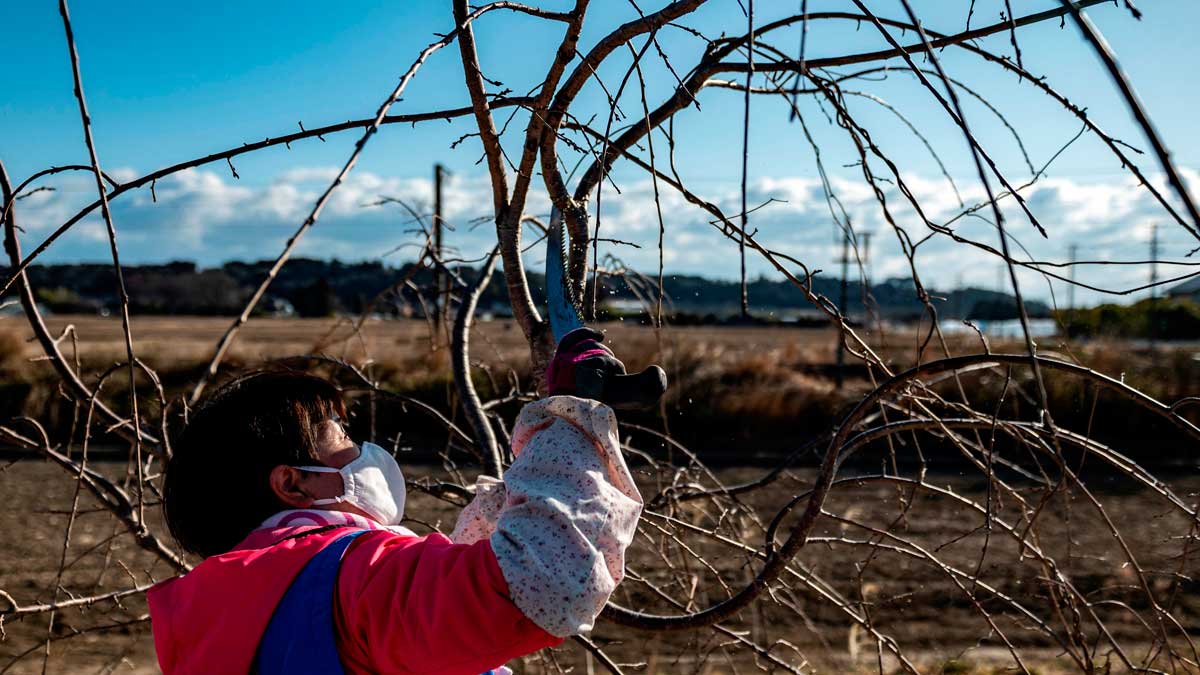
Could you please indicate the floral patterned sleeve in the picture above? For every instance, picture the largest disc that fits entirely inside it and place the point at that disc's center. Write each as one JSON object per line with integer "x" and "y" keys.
{"x": 560, "y": 522}
{"x": 477, "y": 521}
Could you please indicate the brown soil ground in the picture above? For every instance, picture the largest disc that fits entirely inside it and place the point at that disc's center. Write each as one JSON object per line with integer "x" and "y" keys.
{"x": 910, "y": 600}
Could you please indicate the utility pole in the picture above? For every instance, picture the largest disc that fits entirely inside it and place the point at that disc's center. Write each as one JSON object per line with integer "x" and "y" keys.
{"x": 1072, "y": 254}
{"x": 958, "y": 296}
{"x": 440, "y": 297}
{"x": 1152, "y": 310}
{"x": 866, "y": 257}
{"x": 866, "y": 290}
{"x": 1154, "y": 261}
{"x": 745, "y": 294}
{"x": 840, "y": 376}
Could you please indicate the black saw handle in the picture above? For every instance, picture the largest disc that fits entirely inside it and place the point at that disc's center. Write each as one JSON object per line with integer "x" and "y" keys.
{"x": 602, "y": 377}
{"x": 636, "y": 390}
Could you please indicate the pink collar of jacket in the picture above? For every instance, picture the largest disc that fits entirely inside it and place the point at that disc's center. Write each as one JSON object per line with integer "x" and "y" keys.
{"x": 323, "y": 518}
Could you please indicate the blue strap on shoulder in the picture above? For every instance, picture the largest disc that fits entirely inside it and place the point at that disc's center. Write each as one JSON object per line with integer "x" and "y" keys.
{"x": 300, "y": 638}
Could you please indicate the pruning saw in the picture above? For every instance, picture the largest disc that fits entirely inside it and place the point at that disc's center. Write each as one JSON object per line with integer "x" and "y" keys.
{"x": 636, "y": 390}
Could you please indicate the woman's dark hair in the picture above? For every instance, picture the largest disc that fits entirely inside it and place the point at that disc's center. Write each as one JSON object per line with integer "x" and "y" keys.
{"x": 217, "y": 487}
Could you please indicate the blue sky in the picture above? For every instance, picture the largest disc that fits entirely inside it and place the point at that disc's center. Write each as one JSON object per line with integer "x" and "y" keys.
{"x": 170, "y": 81}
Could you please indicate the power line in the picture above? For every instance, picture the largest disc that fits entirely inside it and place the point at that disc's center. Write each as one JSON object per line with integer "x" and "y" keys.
{"x": 840, "y": 376}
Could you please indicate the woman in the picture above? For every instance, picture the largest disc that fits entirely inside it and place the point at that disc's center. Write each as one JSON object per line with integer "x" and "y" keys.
{"x": 306, "y": 568}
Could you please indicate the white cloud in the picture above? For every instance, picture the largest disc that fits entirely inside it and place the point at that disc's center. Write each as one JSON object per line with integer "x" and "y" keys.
{"x": 206, "y": 215}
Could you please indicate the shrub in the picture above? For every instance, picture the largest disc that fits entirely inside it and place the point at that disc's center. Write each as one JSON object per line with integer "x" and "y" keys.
{"x": 1166, "y": 319}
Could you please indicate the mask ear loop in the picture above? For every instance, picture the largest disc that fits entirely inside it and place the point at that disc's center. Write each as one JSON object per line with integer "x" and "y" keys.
{"x": 323, "y": 469}
{"x": 318, "y": 469}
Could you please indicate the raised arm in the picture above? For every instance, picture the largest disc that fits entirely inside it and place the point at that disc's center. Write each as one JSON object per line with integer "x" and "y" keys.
{"x": 534, "y": 557}
{"x": 567, "y": 509}
{"x": 570, "y": 510}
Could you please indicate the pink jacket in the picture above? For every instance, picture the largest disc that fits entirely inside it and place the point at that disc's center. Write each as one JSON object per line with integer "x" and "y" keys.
{"x": 405, "y": 604}
{"x": 536, "y": 558}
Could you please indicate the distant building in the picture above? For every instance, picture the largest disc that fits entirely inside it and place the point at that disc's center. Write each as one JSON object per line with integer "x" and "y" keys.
{"x": 623, "y": 305}
{"x": 279, "y": 307}
{"x": 498, "y": 309}
{"x": 1189, "y": 290}
{"x": 14, "y": 308}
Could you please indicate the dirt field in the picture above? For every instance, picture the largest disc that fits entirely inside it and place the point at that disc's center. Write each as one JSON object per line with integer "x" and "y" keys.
{"x": 910, "y": 600}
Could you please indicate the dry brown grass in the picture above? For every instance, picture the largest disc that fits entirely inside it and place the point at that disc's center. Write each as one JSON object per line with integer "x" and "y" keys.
{"x": 778, "y": 381}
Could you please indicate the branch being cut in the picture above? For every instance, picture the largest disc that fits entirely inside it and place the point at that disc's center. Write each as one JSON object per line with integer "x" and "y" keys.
{"x": 572, "y": 208}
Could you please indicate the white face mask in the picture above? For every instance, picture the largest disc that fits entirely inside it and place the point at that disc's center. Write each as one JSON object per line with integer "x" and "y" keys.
{"x": 373, "y": 482}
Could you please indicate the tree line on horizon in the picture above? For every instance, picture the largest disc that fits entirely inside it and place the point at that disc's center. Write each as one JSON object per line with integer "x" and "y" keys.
{"x": 308, "y": 287}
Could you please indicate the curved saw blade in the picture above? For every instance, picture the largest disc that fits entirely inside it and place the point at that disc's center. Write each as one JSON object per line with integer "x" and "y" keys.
{"x": 560, "y": 298}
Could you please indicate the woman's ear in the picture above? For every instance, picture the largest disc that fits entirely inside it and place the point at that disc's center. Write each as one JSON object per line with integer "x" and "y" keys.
{"x": 285, "y": 483}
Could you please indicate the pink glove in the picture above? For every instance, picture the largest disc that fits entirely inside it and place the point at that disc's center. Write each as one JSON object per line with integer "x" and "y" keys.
{"x": 581, "y": 364}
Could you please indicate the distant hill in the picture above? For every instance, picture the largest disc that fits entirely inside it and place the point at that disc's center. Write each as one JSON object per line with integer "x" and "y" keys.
{"x": 308, "y": 287}
{"x": 892, "y": 299}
